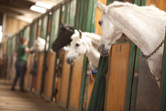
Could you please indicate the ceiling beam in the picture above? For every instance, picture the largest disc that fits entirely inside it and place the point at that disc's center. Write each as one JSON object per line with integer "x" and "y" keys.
{"x": 19, "y": 11}
{"x": 18, "y": 3}
{"x": 21, "y": 8}
{"x": 8, "y": 11}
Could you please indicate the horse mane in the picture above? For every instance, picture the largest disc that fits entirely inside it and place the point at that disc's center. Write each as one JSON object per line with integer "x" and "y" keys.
{"x": 95, "y": 39}
{"x": 93, "y": 36}
{"x": 117, "y": 4}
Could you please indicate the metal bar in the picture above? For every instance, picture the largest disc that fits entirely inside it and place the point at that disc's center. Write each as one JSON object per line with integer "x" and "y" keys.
{"x": 130, "y": 76}
{"x": 83, "y": 80}
{"x": 163, "y": 81}
{"x": 45, "y": 57}
{"x": 90, "y": 4}
{"x": 85, "y": 15}
{"x": 55, "y": 67}
{"x": 135, "y": 82}
{"x": 69, "y": 87}
{"x": 81, "y": 16}
{"x": 136, "y": 71}
{"x": 107, "y": 81}
{"x": 93, "y": 16}
{"x": 72, "y": 15}
{"x": 76, "y": 15}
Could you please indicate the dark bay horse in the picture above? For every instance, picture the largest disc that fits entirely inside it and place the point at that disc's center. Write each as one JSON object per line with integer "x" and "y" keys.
{"x": 64, "y": 37}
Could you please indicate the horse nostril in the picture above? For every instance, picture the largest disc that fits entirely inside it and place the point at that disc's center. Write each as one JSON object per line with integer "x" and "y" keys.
{"x": 100, "y": 23}
{"x": 69, "y": 60}
{"x": 101, "y": 47}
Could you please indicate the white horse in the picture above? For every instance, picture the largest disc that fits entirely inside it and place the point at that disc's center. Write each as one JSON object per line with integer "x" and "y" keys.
{"x": 145, "y": 26}
{"x": 39, "y": 45}
{"x": 84, "y": 43}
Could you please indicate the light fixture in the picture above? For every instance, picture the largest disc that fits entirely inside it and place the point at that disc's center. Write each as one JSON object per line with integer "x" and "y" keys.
{"x": 38, "y": 9}
{"x": 44, "y": 5}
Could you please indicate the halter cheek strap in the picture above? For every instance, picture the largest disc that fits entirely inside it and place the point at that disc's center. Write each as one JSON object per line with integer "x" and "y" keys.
{"x": 157, "y": 48}
{"x": 87, "y": 46}
{"x": 147, "y": 56}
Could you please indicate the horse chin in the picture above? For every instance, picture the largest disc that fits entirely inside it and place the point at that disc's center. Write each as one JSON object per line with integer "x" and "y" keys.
{"x": 104, "y": 53}
{"x": 54, "y": 49}
{"x": 102, "y": 50}
{"x": 69, "y": 61}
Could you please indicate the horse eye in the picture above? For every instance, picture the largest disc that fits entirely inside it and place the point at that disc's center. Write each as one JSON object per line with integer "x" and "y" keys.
{"x": 100, "y": 22}
{"x": 77, "y": 45}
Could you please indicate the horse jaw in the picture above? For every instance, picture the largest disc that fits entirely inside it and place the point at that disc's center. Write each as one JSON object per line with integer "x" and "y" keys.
{"x": 93, "y": 56}
{"x": 71, "y": 56}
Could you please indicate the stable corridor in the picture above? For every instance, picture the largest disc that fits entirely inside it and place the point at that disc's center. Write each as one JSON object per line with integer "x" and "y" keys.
{"x": 19, "y": 101}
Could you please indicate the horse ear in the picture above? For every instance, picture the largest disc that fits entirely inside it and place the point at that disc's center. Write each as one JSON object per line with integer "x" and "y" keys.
{"x": 75, "y": 31}
{"x": 80, "y": 34}
{"x": 102, "y": 7}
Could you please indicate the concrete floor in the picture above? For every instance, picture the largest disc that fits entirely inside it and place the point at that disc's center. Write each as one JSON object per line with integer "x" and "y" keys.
{"x": 19, "y": 101}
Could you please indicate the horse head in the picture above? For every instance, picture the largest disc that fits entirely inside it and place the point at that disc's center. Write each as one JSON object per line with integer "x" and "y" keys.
{"x": 109, "y": 32}
{"x": 64, "y": 37}
{"x": 78, "y": 47}
{"x": 39, "y": 45}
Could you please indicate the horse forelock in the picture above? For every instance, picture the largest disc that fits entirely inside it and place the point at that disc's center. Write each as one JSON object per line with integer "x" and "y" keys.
{"x": 66, "y": 28}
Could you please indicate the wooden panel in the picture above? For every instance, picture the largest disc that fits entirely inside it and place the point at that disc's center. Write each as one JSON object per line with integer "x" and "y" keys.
{"x": 49, "y": 76}
{"x": 117, "y": 79}
{"x": 90, "y": 88}
{"x": 12, "y": 25}
{"x": 13, "y": 70}
{"x": 64, "y": 82}
{"x": 98, "y": 16}
{"x": 58, "y": 78}
{"x": 76, "y": 83}
{"x": 28, "y": 76}
{"x": 39, "y": 73}
{"x": 161, "y": 4}
{"x": 58, "y": 86}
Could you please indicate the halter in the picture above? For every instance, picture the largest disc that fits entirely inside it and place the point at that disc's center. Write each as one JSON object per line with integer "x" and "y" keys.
{"x": 148, "y": 56}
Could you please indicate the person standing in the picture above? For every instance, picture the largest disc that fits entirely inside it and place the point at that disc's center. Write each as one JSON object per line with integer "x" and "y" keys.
{"x": 20, "y": 65}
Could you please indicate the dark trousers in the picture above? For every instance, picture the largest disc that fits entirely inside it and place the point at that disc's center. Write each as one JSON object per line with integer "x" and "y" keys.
{"x": 20, "y": 73}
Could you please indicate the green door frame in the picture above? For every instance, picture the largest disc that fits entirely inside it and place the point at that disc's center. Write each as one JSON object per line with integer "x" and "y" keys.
{"x": 163, "y": 81}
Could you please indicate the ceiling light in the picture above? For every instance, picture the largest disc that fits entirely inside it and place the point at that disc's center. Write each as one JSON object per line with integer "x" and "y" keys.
{"x": 38, "y": 9}
{"x": 44, "y": 5}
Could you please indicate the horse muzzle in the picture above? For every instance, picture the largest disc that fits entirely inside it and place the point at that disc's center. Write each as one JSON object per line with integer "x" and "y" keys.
{"x": 69, "y": 60}
{"x": 102, "y": 50}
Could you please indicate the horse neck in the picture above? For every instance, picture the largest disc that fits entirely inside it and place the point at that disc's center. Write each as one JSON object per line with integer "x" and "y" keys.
{"x": 92, "y": 53}
{"x": 142, "y": 28}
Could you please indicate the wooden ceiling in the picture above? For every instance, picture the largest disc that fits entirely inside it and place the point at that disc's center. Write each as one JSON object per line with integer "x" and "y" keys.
{"x": 20, "y": 9}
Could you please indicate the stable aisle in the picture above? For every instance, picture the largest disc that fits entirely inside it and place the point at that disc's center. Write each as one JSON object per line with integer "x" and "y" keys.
{"x": 19, "y": 101}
